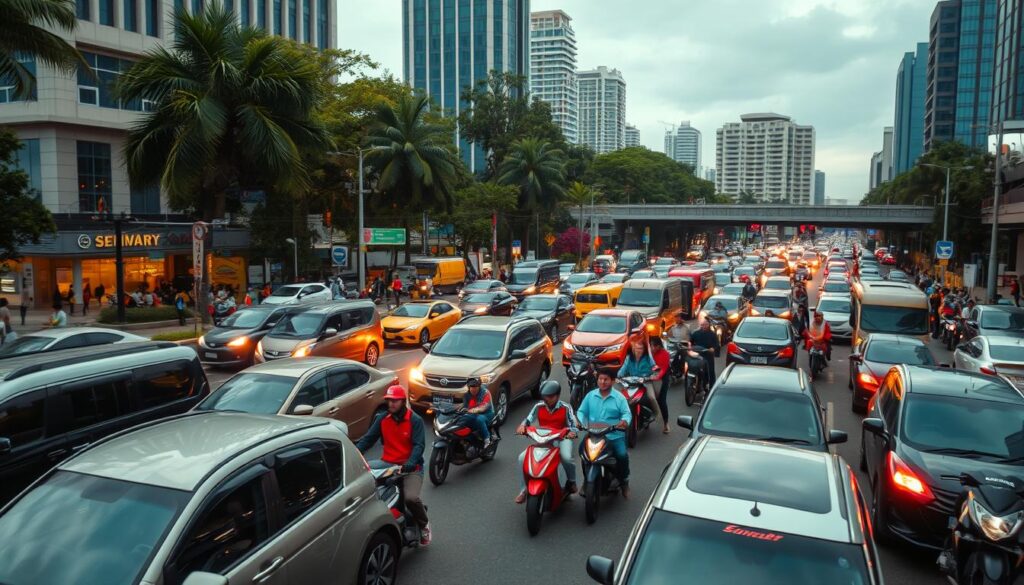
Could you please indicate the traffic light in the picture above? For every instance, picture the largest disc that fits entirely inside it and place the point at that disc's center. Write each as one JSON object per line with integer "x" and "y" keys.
{"x": 803, "y": 228}
{"x": 327, "y": 218}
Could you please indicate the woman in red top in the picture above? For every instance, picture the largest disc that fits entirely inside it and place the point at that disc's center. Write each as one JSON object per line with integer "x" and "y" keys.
{"x": 662, "y": 365}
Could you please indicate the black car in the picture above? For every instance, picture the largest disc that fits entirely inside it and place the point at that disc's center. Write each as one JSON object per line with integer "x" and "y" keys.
{"x": 491, "y": 303}
{"x": 481, "y": 286}
{"x": 233, "y": 342}
{"x": 763, "y": 341}
{"x": 555, "y": 313}
{"x": 778, "y": 405}
{"x": 1002, "y": 320}
{"x": 926, "y": 423}
{"x": 870, "y": 362}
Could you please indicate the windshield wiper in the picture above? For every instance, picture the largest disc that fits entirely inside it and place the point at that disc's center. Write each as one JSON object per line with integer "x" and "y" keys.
{"x": 786, "y": 440}
{"x": 968, "y": 453}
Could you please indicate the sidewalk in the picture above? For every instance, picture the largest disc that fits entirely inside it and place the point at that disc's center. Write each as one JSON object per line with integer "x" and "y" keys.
{"x": 39, "y": 319}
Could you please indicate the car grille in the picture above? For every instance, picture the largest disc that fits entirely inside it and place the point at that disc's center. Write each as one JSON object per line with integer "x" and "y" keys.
{"x": 944, "y": 501}
{"x": 393, "y": 329}
{"x": 446, "y": 381}
{"x": 275, "y": 354}
{"x": 589, "y": 350}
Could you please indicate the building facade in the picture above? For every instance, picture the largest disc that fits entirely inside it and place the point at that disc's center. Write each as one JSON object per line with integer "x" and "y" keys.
{"x": 1008, "y": 72}
{"x": 602, "y": 109}
{"x": 881, "y": 161}
{"x": 710, "y": 175}
{"x": 768, "y": 155}
{"x": 908, "y": 130}
{"x": 943, "y": 57}
{"x": 683, "y": 144}
{"x": 819, "y": 187}
{"x": 449, "y": 46}
{"x": 553, "y": 68}
{"x": 632, "y": 136}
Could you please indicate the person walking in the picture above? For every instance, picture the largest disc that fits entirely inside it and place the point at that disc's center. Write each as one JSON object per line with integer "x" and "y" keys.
{"x": 101, "y": 291}
{"x": 26, "y": 300}
{"x": 86, "y": 299}
{"x": 1015, "y": 290}
{"x": 180, "y": 302}
{"x": 662, "y": 363}
{"x": 71, "y": 299}
{"x": 6, "y": 333}
{"x": 396, "y": 289}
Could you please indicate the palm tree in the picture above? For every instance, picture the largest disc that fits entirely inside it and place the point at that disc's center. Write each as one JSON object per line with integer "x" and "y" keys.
{"x": 580, "y": 194}
{"x": 23, "y": 36}
{"x": 538, "y": 170}
{"x": 233, "y": 109}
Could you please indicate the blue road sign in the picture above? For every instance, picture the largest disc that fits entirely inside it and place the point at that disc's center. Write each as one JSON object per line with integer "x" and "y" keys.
{"x": 943, "y": 250}
{"x": 339, "y": 256}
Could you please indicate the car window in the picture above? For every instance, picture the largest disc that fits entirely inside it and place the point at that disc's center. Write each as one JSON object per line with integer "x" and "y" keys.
{"x": 345, "y": 380}
{"x": 442, "y": 308}
{"x": 79, "y": 340}
{"x": 891, "y": 406}
{"x": 635, "y": 321}
{"x": 100, "y": 338}
{"x": 739, "y": 412}
{"x": 310, "y": 289}
{"x": 313, "y": 392}
{"x": 96, "y": 403}
{"x": 974, "y": 348}
{"x": 520, "y": 340}
{"x": 163, "y": 384}
{"x": 250, "y": 392}
{"x": 21, "y": 418}
{"x": 304, "y": 482}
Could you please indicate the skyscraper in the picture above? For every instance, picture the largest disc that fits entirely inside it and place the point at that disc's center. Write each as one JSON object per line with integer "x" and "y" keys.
{"x": 875, "y": 171}
{"x": 450, "y": 45}
{"x": 602, "y": 109}
{"x": 553, "y": 68}
{"x": 632, "y": 136}
{"x": 768, "y": 155}
{"x": 710, "y": 175}
{"x": 1008, "y": 79}
{"x": 683, "y": 144}
{"x": 819, "y": 187}
{"x": 908, "y": 131}
{"x": 943, "y": 56}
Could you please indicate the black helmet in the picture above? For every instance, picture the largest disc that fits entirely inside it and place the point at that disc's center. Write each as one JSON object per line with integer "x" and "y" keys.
{"x": 550, "y": 388}
{"x": 472, "y": 382}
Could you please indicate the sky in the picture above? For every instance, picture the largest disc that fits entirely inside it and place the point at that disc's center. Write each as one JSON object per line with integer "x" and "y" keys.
{"x": 828, "y": 64}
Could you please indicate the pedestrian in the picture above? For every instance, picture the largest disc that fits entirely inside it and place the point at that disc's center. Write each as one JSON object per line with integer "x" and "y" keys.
{"x": 663, "y": 362}
{"x": 86, "y": 299}
{"x": 335, "y": 288}
{"x": 180, "y": 301}
{"x": 803, "y": 319}
{"x": 248, "y": 297}
{"x": 1015, "y": 290}
{"x": 26, "y": 300}
{"x": 58, "y": 319}
{"x": 5, "y": 322}
{"x": 58, "y": 297}
{"x": 396, "y": 290}
{"x": 101, "y": 291}
{"x": 71, "y": 299}
{"x": 935, "y": 301}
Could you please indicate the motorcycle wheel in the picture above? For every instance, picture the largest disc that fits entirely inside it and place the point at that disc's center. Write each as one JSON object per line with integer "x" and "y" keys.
{"x": 438, "y": 466}
{"x": 974, "y": 574}
{"x": 691, "y": 392}
{"x": 534, "y": 513}
{"x": 632, "y": 433}
{"x": 576, "y": 397}
{"x": 591, "y": 503}
{"x": 951, "y": 344}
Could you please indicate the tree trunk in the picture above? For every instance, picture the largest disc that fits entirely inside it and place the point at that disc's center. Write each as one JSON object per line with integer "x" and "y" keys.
{"x": 405, "y": 224}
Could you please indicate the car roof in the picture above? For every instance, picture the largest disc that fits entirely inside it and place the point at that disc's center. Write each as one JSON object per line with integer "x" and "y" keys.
{"x": 295, "y": 367}
{"x": 610, "y": 312}
{"x": 937, "y": 381}
{"x": 331, "y": 306}
{"x": 771, "y": 293}
{"x": 894, "y": 338}
{"x": 20, "y": 370}
{"x": 768, "y": 379}
{"x": 63, "y": 332}
{"x": 765, "y": 320}
{"x": 1001, "y": 308}
{"x": 484, "y": 322}
{"x": 724, "y": 480}
{"x": 179, "y": 452}
{"x": 1004, "y": 341}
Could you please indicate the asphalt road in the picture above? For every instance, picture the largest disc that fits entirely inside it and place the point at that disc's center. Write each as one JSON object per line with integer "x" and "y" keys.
{"x": 480, "y": 535}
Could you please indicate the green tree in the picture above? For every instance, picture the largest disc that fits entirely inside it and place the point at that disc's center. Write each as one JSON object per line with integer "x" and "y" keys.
{"x": 747, "y": 197}
{"x": 25, "y": 218}
{"x": 475, "y": 205}
{"x": 234, "y": 110}
{"x": 24, "y": 34}
{"x": 634, "y": 174}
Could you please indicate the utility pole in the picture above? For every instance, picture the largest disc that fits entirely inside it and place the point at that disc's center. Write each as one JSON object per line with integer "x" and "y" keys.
{"x": 360, "y": 257}
{"x": 997, "y": 190}
{"x": 593, "y": 232}
{"x": 945, "y": 215}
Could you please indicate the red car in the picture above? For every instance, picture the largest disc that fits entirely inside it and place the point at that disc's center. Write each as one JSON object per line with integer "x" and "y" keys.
{"x": 888, "y": 260}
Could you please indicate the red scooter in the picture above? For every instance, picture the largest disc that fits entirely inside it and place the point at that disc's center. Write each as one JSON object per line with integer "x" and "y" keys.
{"x": 634, "y": 388}
{"x": 546, "y": 484}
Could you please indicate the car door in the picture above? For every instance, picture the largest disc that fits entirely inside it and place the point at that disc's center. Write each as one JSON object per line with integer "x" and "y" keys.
{"x": 519, "y": 368}
{"x": 32, "y": 449}
{"x": 331, "y": 346}
{"x": 89, "y": 410}
{"x": 350, "y": 399}
{"x": 536, "y": 341}
{"x": 563, "y": 314}
{"x": 312, "y": 391}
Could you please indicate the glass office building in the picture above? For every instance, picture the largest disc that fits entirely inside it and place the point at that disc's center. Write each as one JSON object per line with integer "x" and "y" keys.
{"x": 908, "y": 130}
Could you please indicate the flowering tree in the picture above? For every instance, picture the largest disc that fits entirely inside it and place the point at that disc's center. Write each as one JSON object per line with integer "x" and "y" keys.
{"x": 568, "y": 242}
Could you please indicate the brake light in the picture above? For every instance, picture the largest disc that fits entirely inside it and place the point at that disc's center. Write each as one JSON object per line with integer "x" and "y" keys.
{"x": 786, "y": 352}
{"x": 904, "y": 479}
{"x": 868, "y": 380}
{"x": 733, "y": 348}
{"x": 991, "y": 371}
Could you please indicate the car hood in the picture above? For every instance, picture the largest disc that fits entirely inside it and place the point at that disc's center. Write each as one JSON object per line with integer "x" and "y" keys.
{"x": 278, "y": 300}
{"x": 285, "y": 344}
{"x": 647, "y": 312}
{"x": 456, "y": 367}
{"x": 1000, "y": 332}
{"x": 221, "y": 335}
{"x": 517, "y": 288}
{"x": 538, "y": 315}
{"x": 936, "y": 465}
{"x": 596, "y": 339}
{"x": 836, "y": 318}
{"x": 467, "y": 308}
{"x": 393, "y": 322}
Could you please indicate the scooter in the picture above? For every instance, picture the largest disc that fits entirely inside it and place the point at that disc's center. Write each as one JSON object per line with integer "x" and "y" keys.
{"x": 987, "y": 540}
{"x": 390, "y": 490}
{"x": 547, "y": 487}
{"x": 634, "y": 388}
{"x": 456, "y": 442}
{"x": 721, "y": 328}
{"x": 817, "y": 361}
{"x": 598, "y": 469}
{"x": 676, "y": 358}
{"x": 582, "y": 377}
{"x": 953, "y": 333}
{"x": 222, "y": 310}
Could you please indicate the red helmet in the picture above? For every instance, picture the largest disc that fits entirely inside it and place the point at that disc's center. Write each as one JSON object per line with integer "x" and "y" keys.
{"x": 744, "y": 278}
{"x": 395, "y": 392}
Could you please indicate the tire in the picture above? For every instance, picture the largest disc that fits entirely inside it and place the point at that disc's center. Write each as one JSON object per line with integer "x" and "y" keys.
{"x": 380, "y": 561}
{"x": 591, "y": 502}
{"x": 691, "y": 392}
{"x": 632, "y": 433}
{"x": 372, "y": 355}
{"x": 534, "y": 513}
{"x": 438, "y": 466}
{"x": 504, "y": 402}
{"x": 553, "y": 332}
{"x": 545, "y": 373}
{"x": 424, "y": 337}
{"x": 863, "y": 458}
{"x": 879, "y": 517}
{"x": 952, "y": 344}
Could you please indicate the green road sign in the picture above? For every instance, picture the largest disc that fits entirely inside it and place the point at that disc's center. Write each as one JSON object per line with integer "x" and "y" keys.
{"x": 384, "y": 236}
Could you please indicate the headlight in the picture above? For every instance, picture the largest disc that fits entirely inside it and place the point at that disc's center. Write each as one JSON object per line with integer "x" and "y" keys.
{"x": 734, "y": 316}
{"x": 259, "y": 348}
{"x": 303, "y": 351}
{"x": 994, "y": 527}
{"x": 202, "y": 340}
{"x": 567, "y": 345}
{"x": 416, "y": 375}
{"x": 613, "y": 347}
{"x": 481, "y": 311}
{"x": 411, "y": 328}
{"x": 239, "y": 342}
{"x": 487, "y": 378}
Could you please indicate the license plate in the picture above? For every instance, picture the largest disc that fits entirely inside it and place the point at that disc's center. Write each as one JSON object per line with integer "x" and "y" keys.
{"x": 442, "y": 400}
{"x": 759, "y": 360}
{"x": 210, "y": 355}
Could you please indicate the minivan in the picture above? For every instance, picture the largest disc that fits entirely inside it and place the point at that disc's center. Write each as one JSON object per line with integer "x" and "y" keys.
{"x": 53, "y": 408}
{"x": 632, "y": 260}
{"x": 447, "y": 275}
{"x": 602, "y": 295}
{"x": 534, "y": 278}
{"x": 346, "y": 329}
{"x": 659, "y": 301}
{"x": 889, "y": 307}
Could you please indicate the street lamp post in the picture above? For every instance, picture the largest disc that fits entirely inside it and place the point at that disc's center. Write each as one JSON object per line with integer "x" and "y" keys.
{"x": 295, "y": 262}
{"x": 361, "y": 258}
{"x": 945, "y": 214}
{"x": 997, "y": 190}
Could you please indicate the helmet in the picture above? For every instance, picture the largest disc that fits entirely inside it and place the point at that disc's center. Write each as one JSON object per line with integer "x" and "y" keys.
{"x": 550, "y": 388}
{"x": 473, "y": 381}
{"x": 719, "y": 305}
{"x": 744, "y": 278}
{"x": 396, "y": 392}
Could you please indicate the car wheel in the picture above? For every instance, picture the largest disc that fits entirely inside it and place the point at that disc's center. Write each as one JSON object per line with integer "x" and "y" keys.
{"x": 502, "y": 405}
{"x": 380, "y": 562}
{"x": 545, "y": 373}
{"x": 424, "y": 336}
{"x": 879, "y": 517}
{"x": 553, "y": 332}
{"x": 372, "y": 355}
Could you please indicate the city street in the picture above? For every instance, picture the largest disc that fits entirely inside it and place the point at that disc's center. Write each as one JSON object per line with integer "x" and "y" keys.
{"x": 480, "y": 535}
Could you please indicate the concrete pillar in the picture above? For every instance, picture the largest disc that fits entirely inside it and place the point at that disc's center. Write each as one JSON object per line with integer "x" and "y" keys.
{"x": 76, "y": 279}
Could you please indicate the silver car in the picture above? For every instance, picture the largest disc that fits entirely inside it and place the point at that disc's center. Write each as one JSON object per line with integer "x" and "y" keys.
{"x": 835, "y": 309}
{"x": 994, "y": 355}
{"x": 299, "y": 294}
{"x": 66, "y": 338}
{"x": 205, "y": 499}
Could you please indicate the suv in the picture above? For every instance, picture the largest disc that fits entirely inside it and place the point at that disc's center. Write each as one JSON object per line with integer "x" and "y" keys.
{"x": 511, "y": 356}
{"x": 52, "y": 408}
{"x": 347, "y": 329}
{"x": 735, "y": 511}
{"x": 212, "y": 498}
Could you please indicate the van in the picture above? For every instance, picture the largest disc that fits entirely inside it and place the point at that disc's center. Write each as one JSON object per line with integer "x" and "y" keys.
{"x": 899, "y": 308}
{"x": 346, "y": 329}
{"x": 659, "y": 301}
{"x": 632, "y": 260}
{"x": 52, "y": 408}
{"x": 597, "y": 296}
{"x": 534, "y": 278}
{"x": 447, "y": 274}
{"x": 703, "y": 280}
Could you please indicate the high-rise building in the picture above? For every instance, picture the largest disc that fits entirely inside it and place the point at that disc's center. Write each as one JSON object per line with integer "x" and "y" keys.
{"x": 875, "y": 177}
{"x": 943, "y": 56}
{"x": 602, "y": 109}
{"x": 819, "y": 187}
{"x": 683, "y": 144}
{"x": 449, "y": 46}
{"x": 1008, "y": 79}
{"x": 768, "y": 155}
{"x": 632, "y": 136}
{"x": 709, "y": 175}
{"x": 553, "y": 68}
{"x": 881, "y": 161}
{"x": 911, "y": 87}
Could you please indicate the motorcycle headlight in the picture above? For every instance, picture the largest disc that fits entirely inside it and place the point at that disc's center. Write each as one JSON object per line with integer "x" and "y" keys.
{"x": 995, "y": 527}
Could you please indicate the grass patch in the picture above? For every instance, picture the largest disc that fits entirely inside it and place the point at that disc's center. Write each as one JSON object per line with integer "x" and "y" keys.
{"x": 175, "y": 335}
{"x": 143, "y": 315}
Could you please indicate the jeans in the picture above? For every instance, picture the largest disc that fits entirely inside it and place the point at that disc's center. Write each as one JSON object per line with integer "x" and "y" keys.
{"x": 618, "y": 447}
{"x": 663, "y": 398}
{"x": 564, "y": 452}
{"x": 709, "y": 369}
{"x": 412, "y": 488}
{"x": 24, "y": 312}
{"x": 654, "y": 401}
{"x": 479, "y": 423}
{"x": 181, "y": 316}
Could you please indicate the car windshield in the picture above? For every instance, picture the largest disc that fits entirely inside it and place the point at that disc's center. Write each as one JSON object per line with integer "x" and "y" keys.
{"x": 286, "y": 291}
{"x": 836, "y": 286}
{"x": 723, "y": 278}
{"x": 566, "y": 268}
{"x": 640, "y": 297}
{"x": 777, "y": 285}
{"x": 665, "y": 262}
{"x": 958, "y": 423}
{"x": 764, "y": 330}
{"x": 629, "y": 257}
{"x": 75, "y": 528}
{"x": 1002, "y": 320}
{"x": 728, "y": 301}
{"x": 771, "y": 302}
{"x": 471, "y": 344}
{"x": 1006, "y": 353}
{"x": 246, "y": 319}
{"x": 524, "y": 276}
{"x": 602, "y": 324}
{"x": 578, "y": 278}
{"x": 298, "y": 325}
{"x": 592, "y": 298}
{"x": 26, "y": 344}
{"x": 892, "y": 352}
{"x": 538, "y": 304}
{"x": 252, "y": 393}
{"x": 415, "y": 310}
{"x": 775, "y": 264}
{"x": 898, "y": 320}
{"x": 749, "y": 270}
{"x": 737, "y": 412}
{"x": 477, "y": 298}
{"x": 614, "y": 278}
{"x": 711, "y": 552}
{"x": 834, "y": 306}
{"x": 479, "y": 285}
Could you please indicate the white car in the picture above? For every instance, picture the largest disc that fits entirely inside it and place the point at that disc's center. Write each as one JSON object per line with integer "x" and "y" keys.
{"x": 835, "y": 309}
{"x": 299, "y": 294}
{"x": 993, "y": 355}
{"x": 65, "y": 338}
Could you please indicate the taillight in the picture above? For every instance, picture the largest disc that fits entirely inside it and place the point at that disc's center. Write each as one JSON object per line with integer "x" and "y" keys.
{"x": 991, "y": 371}
{"x": 733, "y": 348}
{"x": 904, "y": 479}
{"x": 868, "y": 380}
{"x": 786, "y": 352}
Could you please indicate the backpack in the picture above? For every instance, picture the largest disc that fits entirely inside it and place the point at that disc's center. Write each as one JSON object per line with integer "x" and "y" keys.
{"x": 179, "y": 304}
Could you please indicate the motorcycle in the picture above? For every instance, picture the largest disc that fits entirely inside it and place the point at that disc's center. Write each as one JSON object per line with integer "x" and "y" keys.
{"x": 817, "y": 361}
{"x": 721, "y": 328}
{"x": 598, "y": 469}
{"x": 423, "y": 288}
{"x": 954, "y": 333}
{"x": 390, "y": 490}
{"x": 456, "y": 442}
{"x": 546, "y": 484}
{"x": 582, "y": 377}
{"x": 696, "y": 378}
{"x": 221, "y": 311}
{"x": 634, "y": 388}
{"x": 987, "y": 542}
{"x": 676, "y": 355}
{"x": 947, "y": 326}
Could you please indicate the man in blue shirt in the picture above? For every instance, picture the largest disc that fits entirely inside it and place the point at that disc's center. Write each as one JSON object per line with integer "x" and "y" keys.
{"x": 608, "y": 406}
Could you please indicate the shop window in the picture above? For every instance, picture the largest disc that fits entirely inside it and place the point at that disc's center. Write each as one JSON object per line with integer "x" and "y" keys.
{"x": 26, "y": 158}
{"x": 94, "y": 175}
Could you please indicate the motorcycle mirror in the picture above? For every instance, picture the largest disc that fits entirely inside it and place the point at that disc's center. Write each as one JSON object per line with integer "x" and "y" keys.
{"x": 685, "y": 421}
{"x": 836, "y": 437}
{"x": 601, "y": 569}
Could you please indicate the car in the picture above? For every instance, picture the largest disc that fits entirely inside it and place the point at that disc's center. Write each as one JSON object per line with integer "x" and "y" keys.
{"x": 632, "y": 260}
{"x": 299, "y": 294}
{"x": 555, "y": 313}
{"x": 1000, "y": 320}
{"x": 603, "y": 265}
{"x": 208, "y": 497}
{"x": 737, "y": 306}
{"x": 419, "y": 322}
{"x": 347, "y": 329}
{"x": 662, "y": 270}
{"x": 925, "y": 425}
{"x": 888, "y": 260}
{"x": 233, "y": 342}
{"x": 565, "y": 269}
{"x": 870, "y": 362}
{"x": 763, "y": 341}
{"x": 578, "y": 280}
{"x": 992, "y": 355}
{"x": 696, "y": 253}
{"x": 492, "y": 303}
{"x": 839, "y": 286}
{"x": 65, "y": 338}
{"x": 777, "y": 405}
{"x": 775, "y": 267}
{"x": 605, "y": 334}
{"x": 730, "y": 511}
{"x": 614, "y": 278}
{"x": 721, "y": 279}
{"x": 718, "y": 258}
{"x": 481, "y": 286}
{"x": 668, "y": 261}
{"x": 773, "y": 303}
{"x": 340, "y": 389}
{"x": 782, "y": 283}
{"x": 511, "y": 356}
{"x": 640, "y": 274}
{"x": 735, "y": 288}
{"x": 835, "y": 309}
{"x": 898, "y": 276}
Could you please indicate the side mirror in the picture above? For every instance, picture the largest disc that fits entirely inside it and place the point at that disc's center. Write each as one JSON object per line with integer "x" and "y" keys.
{"x": 971, "y": 323}
{"x": 517, "y": 354}
{"x": 836, "y": 437}
{"x": 495, "y": 301}
{"x": 329, "y": 332}
{"x": 600, "y": 569}
{"x": 5, "y": 445}
{"x": 302, "y": 410}
{"x": 856, "y": 358}
{"x": 875, "y": 426}
{"x": 426, "y": 347}
{"x": 685, "y": 421}
{"x": 201, "y": 578}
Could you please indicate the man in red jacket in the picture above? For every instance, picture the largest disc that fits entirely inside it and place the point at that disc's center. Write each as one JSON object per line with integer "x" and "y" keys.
{"x": 552, "y": 414}
{"x": 662, "y": 365}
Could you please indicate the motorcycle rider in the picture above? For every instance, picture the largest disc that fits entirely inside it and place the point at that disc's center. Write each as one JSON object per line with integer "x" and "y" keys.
{"x": 552, "y": 414}
{"x": 603, "y": 405}
{"x": 479, "y": 409}
{"x": 662, "y": 365}
{"x": 718, "y": 312}
{"x": 966, "y": 311}
{"x": 707, "y": 339}
{"x": 820, "y": 333}
{"x": 401, "y": 432}
{"x": 639, "y": 363}
{"x": 749, "y": 290}
{"x": 800, "y": 294}
{"x": 680, "y": 332}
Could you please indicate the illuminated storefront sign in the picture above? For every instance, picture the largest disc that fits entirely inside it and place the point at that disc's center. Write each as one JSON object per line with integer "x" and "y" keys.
{"x": 135, "y": 240}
